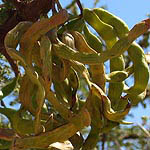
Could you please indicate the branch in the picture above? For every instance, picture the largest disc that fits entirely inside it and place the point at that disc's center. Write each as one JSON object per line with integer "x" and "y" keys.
{"x": 132, "y": 136}
{"x": 7, "y": 134}
{"x": 80, "y": 6}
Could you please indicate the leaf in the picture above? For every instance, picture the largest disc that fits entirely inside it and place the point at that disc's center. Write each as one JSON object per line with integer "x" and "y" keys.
{"x": 8, "y": 88}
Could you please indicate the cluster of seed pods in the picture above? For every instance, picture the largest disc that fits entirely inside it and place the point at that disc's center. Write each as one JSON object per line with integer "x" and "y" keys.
{"x": 56, "y": 55}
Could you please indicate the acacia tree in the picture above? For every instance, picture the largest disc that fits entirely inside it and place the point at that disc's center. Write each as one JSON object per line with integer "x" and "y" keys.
{"x": 59, "y": 79}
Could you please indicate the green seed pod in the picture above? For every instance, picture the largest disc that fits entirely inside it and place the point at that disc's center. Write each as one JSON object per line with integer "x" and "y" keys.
{"x": 92, "y": 139}
{"x": 81, "y": 44}
{"x": 65, "y": 95}
{"x": 109, "y": 113}
{"x": 119, "y": 25}
{"x": 135, "y": 99}
{"x": 46, "y": 57}
{"x": 93, "y": 41}
{"x": 104, "y": 30}
{"x": 116, "y": 76}
{"x": 117, "y": 63}
{"x": 75, "y": 24}
{"x": 141, "y": 70}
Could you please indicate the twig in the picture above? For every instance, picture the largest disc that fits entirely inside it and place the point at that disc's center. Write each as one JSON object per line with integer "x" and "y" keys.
{"x": 7, "y": 134}
{"x": 80, "y": 6}
{"x": 103, "y": 141}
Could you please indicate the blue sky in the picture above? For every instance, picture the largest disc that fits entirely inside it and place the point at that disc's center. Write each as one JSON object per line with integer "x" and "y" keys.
{"x": 132, "y": 12}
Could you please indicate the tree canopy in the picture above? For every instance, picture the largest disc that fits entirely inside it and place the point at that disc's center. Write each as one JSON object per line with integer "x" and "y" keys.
{"x": 64, "y": 77}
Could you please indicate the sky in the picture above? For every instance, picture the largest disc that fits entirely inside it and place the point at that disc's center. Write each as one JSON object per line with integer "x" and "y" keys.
{"x": 132, "y": 12}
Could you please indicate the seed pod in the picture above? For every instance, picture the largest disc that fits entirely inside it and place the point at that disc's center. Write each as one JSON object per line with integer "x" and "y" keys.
{"x": 81, "y": 44}
{"x": 60, "y": 68}
{"x": 116, "y": 76}
{"x": 92, "y": 40}
{"x": 117, "y": 63}
{"x": 104, "y": 30}
{"x": 119, "y": 25}
{"x": 97, "y": 71}
{"x": 75, "y": 24}
{"x": 13, "y": 36}
{"x": 38, "y": 29}
{"x": 135, "y": 99}
{"x": 65, "y": 96}
{"x": 46, "y": 57}
{"x": 68, "y": 53}
{"x": 36, "y": 55}
{"x": 92, "y": 139}
{"x": 141, "y": 70}
{"x": 109, "y": 113}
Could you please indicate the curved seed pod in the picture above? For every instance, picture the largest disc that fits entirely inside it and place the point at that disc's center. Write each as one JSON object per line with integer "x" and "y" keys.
{"x": 92, "y": 139}
{"x": 26, "y": 92}
{"x": 119, "y": 25}
{"x": 60, "y": 68}
{"x": 74, "y": 84}
{"x": 13, "y": 36}
{"x": 135, "y": 99}
{"x": 124, "y": 43}
{"x": 36, "y": 55}
{"x": 63, "y": 133}
{"x": 75, "y": 24}
{"x": 97, "y": 71}
{"x": 65, "y": 95}
{"x": 34, "y": 78}
{"x": 101, "y": 28}
{"x": 141, "y": 70}
{"x": 122, "y": 29}
{"x": 38, "y": 29}
{"x": 116, "y": 76}
{"x": 68, "y": 53}
{"x": 117, "y": 63}
{"x": 92, "y": 40}
{"x": 93, "y": 105}
{"x": 81, "y": 44}
{"x": 109, "y": 113}
{"x": 89, "y": 15}
{"x": 46, "y": 56}
{"x": 80, "y": 68}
